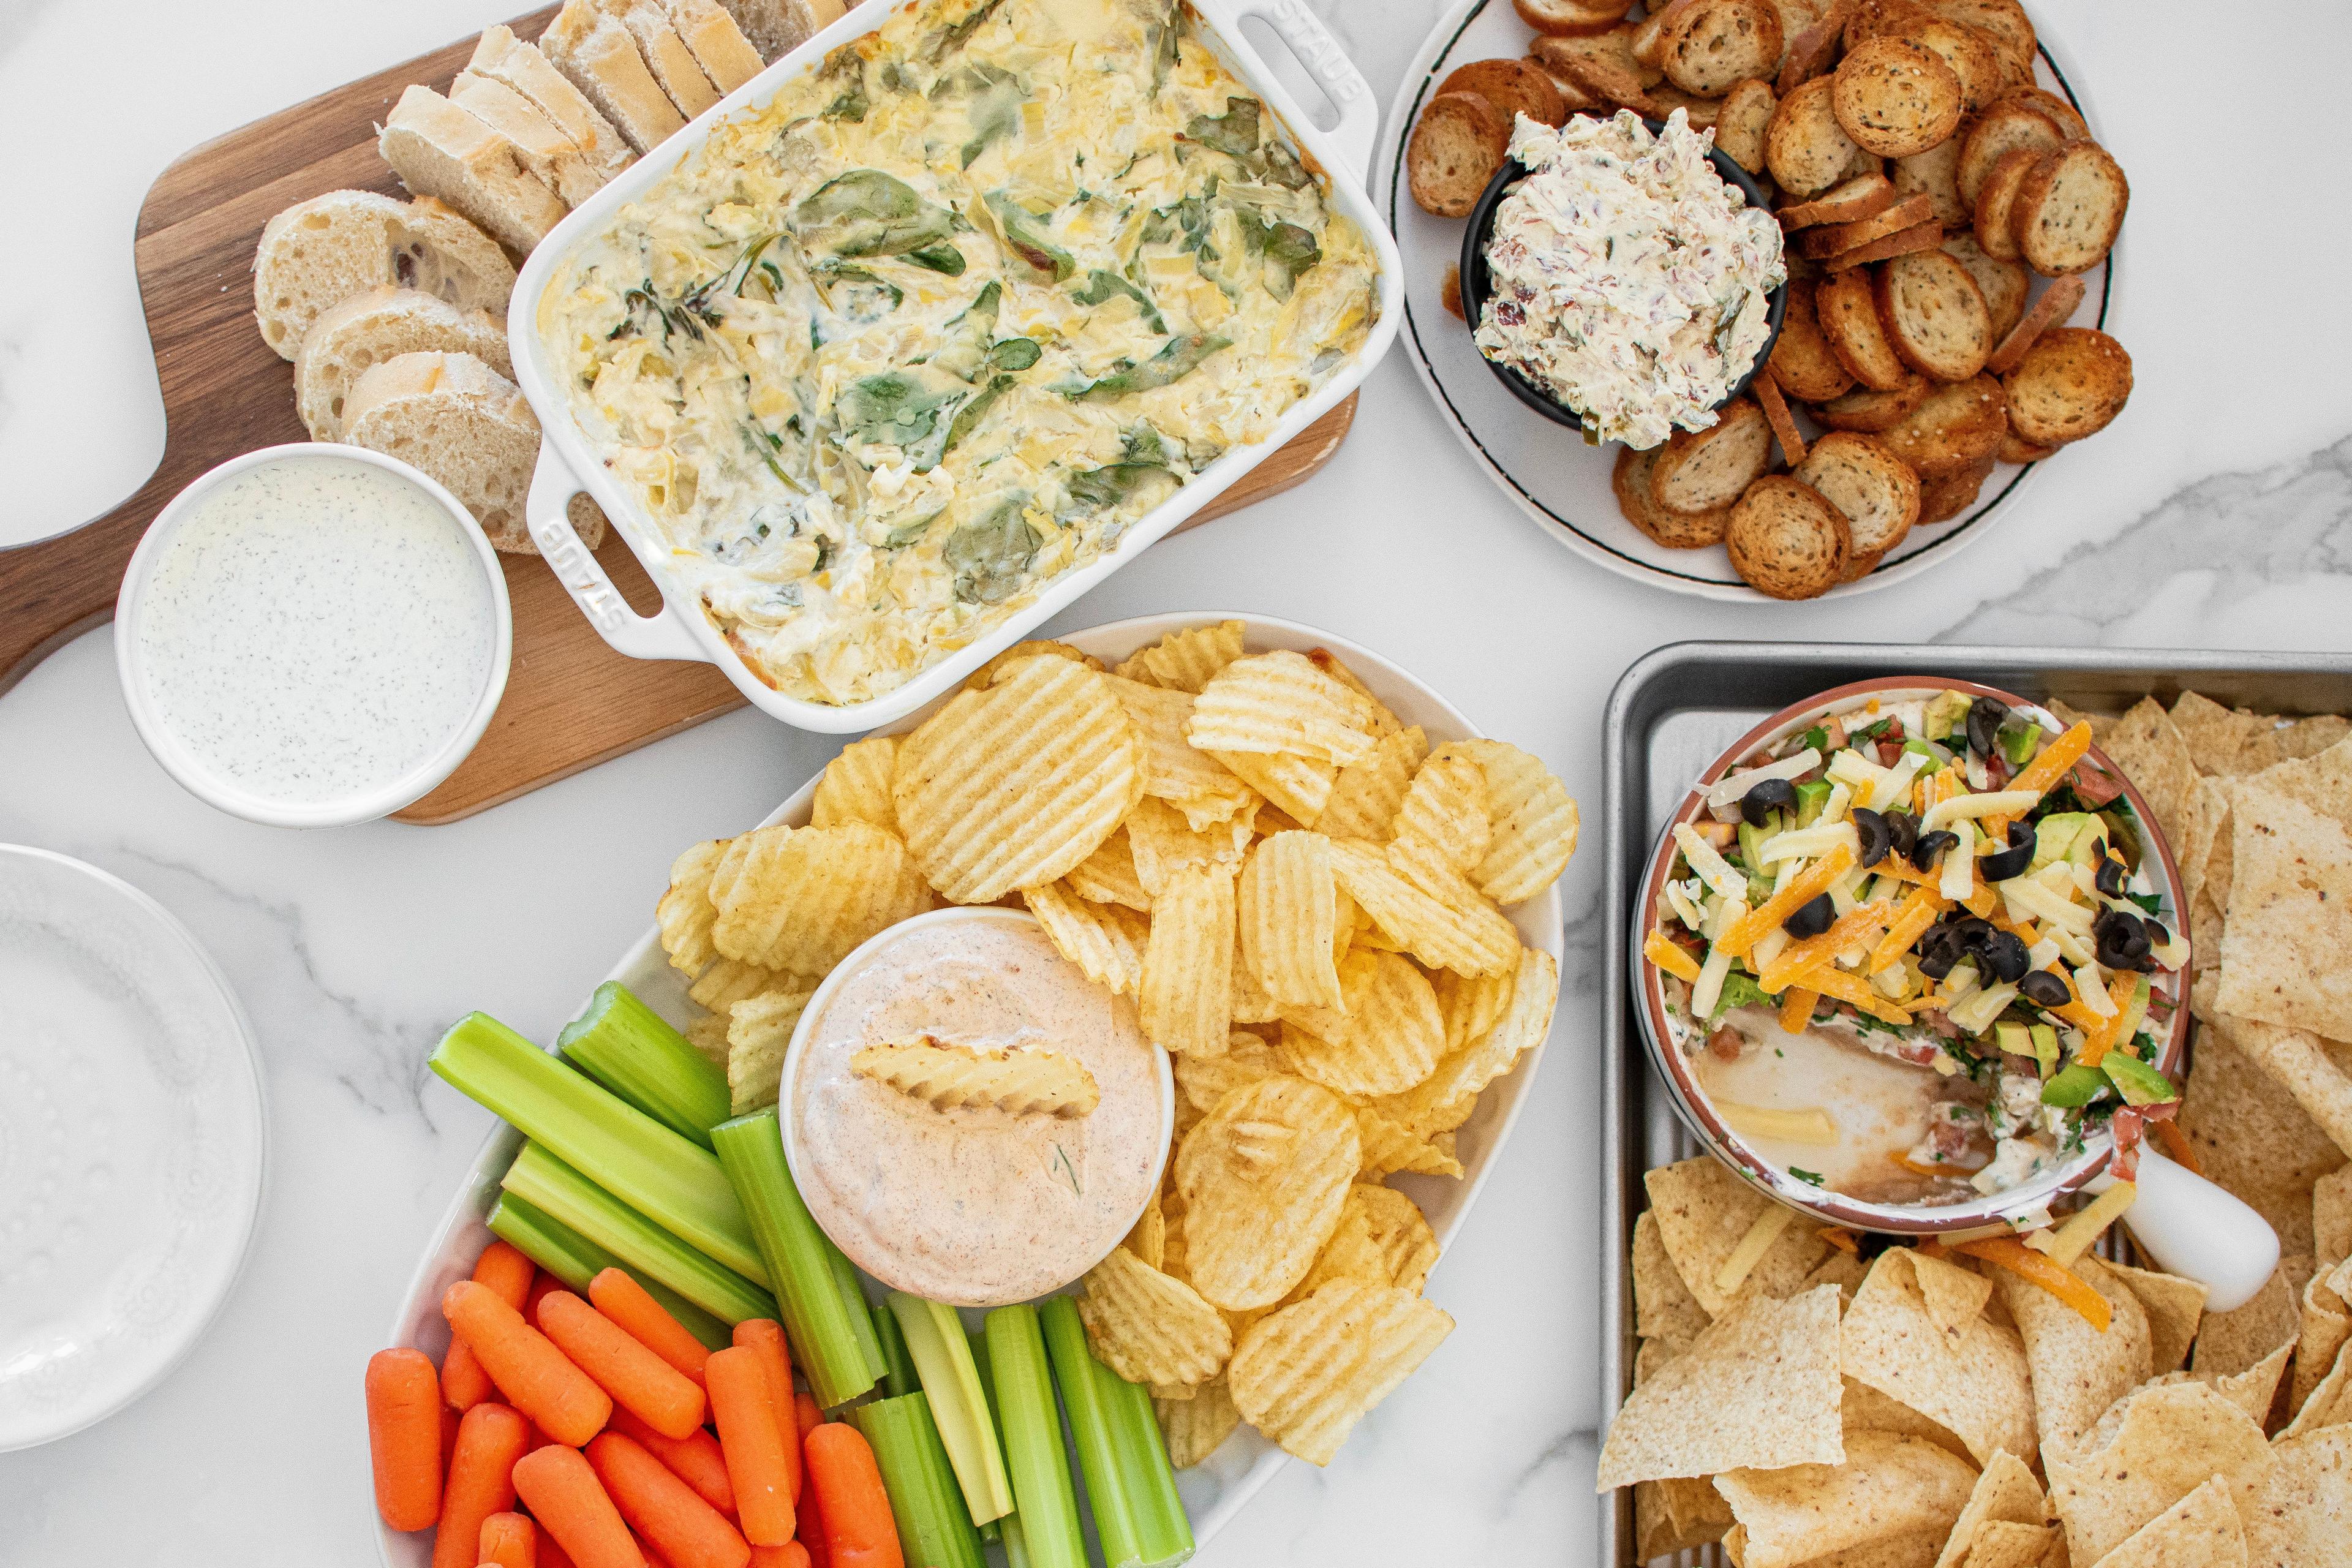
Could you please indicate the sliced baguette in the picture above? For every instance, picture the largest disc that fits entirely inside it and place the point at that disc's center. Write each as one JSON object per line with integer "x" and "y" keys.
{"x": 438, "y": 150}
{"x": 1648, "y": 43}
{"x": 719, "y": 46}
{"x": 1849, "y": 201}
{"x": 777, "y": 27}
{"x": 318, "y": 253}
{"x": 2056, "y": 304}
{"x": 503, "y": 57}
{"x": 1804, "y": 364}
{"x": 2069, "y": 208}
{"x": 1717, "y": 44}
{"x": 1953, "y": 426}
{"x": 1787, "y": 540}
{"x": 2005, "y": 127}
{"x": 1902, "y": 242}
{"x": 1804, "y": 146}
{"x": 2003, "y": 284}
{"x": 2016, "y": 448}
{"x": 601, "y": 59}
{"x": 1995, "y": 223}
{"x": 376, "y": 325}
{"x": 1602, "y": 64}
{"x": 1871, "y": 411}
{"x": 1895, "y": 97}
{"x": 2063, "y": 114}
{"x": 1877, "y": 492}
{"x": 1935, "y": 315}
{"x": 552, "y": 158}
{"x": 665, "y": 53}
{"x": 1630, "y": 481}
{"x": 1568, "y": 19}
{"x": 1942, "y": 500}
{"x": 2003, "y": 22}
{"x": 1969, "y": 55}
{"x": 2071, "y": 384}
{"x": 1812, "y": 50}
{"x": 1700, "y": 471}
{"x": 1935, "y": 174}
{"x": 1513, "y": 87}
{"x": 1783, "y": 421}
{"x": 1456, "y": 146}
{"x": 1741, "y": 122}
{"x": 461, "y": 422}
{"x": 1848, "y": 310}
{"x": 1825, "y": 240}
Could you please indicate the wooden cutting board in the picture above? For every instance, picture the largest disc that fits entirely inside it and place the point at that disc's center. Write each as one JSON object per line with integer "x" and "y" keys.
{"x": 571, "y": 701}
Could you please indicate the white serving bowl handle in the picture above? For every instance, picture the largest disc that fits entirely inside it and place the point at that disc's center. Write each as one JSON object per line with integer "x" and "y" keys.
{"x": 2201, "y": 1231}
{"x": 552, "y": 486}
{"x": 1321, "y": 54}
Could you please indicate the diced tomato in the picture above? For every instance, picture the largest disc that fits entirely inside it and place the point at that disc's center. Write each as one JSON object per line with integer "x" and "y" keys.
{"x": 1725, "y": 1044}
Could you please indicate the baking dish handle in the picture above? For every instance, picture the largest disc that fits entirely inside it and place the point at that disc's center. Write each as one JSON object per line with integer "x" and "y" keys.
{"x": 1324, "y": 59}
{"x": 552, "y": 487}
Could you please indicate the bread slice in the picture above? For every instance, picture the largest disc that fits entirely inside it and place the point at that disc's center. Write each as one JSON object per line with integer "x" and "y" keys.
{"x": 1848, "y": 311}
{"x": 376, "y": 325}
{"x": 1778, "y": 414}
{"x": 1602, "y": 64}
{"x": 598, "y": 57}
{"x": 1970, "y": 55}
{"x": 1515, "y": 87}
{"x": 1811, "y": 52}
{"x": 1805, "y": 147}
{"x": 1565, "y": 18}
{"x": 1828, "y": 239}
{"x": 461, "y": 422}
{"x": 1935, "y": 173}
{"x": 777, "y": 27}
{"x": 438, "y": 150}
{"x": 1804, "y": 364}
{"x": 1849, "y": 201}
{"x": 1871, "y": 411}
{"x": 2071, "y": 384}
{"x": 2069, "y": 208}
{"x": 1457, "y": 144}
{"x": 2003, "y": 22}
{"x": 1648, "y": 43}
{"x": 1717, "y": 44}
{"x": 554, "y": 159}
{"x": 2003, "y": 284}
{"x": 1878, "y": 18}
{"x": 1895, "y": 98}
{"x": 1942, "y": 500}
{"x": 1662, "y": 99}
{"x": 318, "y": 253}
{"x": 1902, "y": 242}
{"x": 1740, "y": 124}
{"x": 1787, "y": 540}
{"x": 719, "y": 46}
{"x": 1677, "y": 530}
{"x": 1953, "y": 426}
{"x": 2016, "y": 448}
{"x": 1935, "y": 315}
{"x": 1995, "y": 216}
{"x": 1877, "y": 492}
{"x": 2061, "y": 113}
{"x": 503, "y": 57}
{"x": 2055, "y": 305}
{"x": 1706, "y": 471}
{"x": 665, "y": 53}
{"x": 2008, "y": 125}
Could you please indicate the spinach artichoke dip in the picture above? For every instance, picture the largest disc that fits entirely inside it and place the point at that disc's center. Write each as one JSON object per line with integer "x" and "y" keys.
{"x": 945, "y": 319}
{"x": 1632, "y": 284}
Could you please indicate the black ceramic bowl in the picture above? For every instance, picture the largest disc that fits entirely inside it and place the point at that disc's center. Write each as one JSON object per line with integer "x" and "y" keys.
{"x": 1478, "y": 287}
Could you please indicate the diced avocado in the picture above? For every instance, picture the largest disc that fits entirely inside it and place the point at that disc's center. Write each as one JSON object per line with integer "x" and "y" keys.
{"x": 2091, "y": 844}
{"x": 1812, "y": 795}
{"x": 2012, "y": 1039}
{"x": 1946, "y": 712}
{"x": 2078, "y": 1086}
{"x": 1751, "y": 843}
{"x": 2019, "y": 742}
{"x": 2138, "y": 1082}
{"x": 1930, "y": 763}
{"x": 2045, "y": 1046}
{"x": 2054, "y": 835}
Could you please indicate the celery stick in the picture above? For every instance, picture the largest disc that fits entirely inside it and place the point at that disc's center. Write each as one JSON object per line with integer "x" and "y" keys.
{"x": 829, "y": 1334}
{"x": 632, "y": 1050}
{"x": 574, "y": 1259}
{"x": 1043, "y": 1505}
{"x": 853, "y": 1299}
{"x": 539, "y": 1178}
{"x": 1163, "y": 1530}
{"x": 1005, "y": 1530}
{"x": 1090, "y": 1433}
{"x": 943, "y": 1358}
{"x": 934, "y": 1531}
{"x": 898, "y": 1370}
{"x": 671, "y": 1181}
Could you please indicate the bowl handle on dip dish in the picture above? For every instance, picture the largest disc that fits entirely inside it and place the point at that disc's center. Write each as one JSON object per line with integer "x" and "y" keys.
{"x": 1323, "y": 59}
{"x": 552, "y": 487}
{"x": 2199, "y": 1230}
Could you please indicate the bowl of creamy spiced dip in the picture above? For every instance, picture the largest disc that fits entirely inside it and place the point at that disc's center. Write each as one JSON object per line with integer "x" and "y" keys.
{"x": 1912, "y": 959}
{"x": 968, "y": 1116}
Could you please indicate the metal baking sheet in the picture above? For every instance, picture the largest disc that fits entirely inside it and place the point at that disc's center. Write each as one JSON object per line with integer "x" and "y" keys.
{"x": 1671, "y": 712}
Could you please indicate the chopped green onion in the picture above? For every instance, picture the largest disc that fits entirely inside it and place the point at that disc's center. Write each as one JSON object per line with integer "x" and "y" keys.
{"x": 632, "y": 1050}
{"x": 1045, "y": 1507}
{"x": 934, "y": 1531}
{"x": 1139, "y": 1521}
{"x": 671, "y": 1181}
{"x": 934, "y": 1341}
{"x": 574, "y": 1259}
{"x": 897, "y": 1372}
{"x": 829, "y": 1329}
{"x": 539, "y": 1178}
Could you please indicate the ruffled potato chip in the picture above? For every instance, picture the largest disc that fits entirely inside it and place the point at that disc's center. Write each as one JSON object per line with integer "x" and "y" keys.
{"x": 685, "y": 915}
{"x": 1535, "y": 991}
{"x": 1305, "y": 1375}
{"x": 1161, "y": 841}
{"x": 1108, "y": 877}
{"x": 948, "y": 1077}
{"x": 1014, "y": 786}
{"x": 1149, "y": 1328}
{"x": 1446, "y": 807}
{"x": 1186, "y": 660}
{"x": 759, "y": 1030}
{"x": 1383, "y": 721}
{"x": 1197, "y": 1427}
{"x": 1473, "y": 940}
{"x": 1533, "y": 822}
{"x": 1263, "y": 1177}
{"x": 1381, "y": 1239}
{"x": 988, "y": 674}
{"x": 1175, "y": 771}
{"x": 1288, "y": 914}
{"x": 1390, "y": 1036}
{"x": 1186, "y": 995}
{"x": 1283, "y": 703}
{"x": 1390, "y": 1146}
{"x": 1298, "y": 786}
{"x": 1204, "y": 1080}
{"x": 1471, "y": 1002}
{"x": 1367, "y": 795}
{"x": 1148, "y": 1237}
{"x": 856, "y": 786}
{"x": 1251, "y": 1004}
{"x": 1104, "y": 940}
{"x": 727, "y": 982}
{"x": 800, "y": 899}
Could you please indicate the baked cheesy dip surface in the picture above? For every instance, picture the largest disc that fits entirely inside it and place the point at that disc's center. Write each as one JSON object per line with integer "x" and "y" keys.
{"x": 944, "y": 319}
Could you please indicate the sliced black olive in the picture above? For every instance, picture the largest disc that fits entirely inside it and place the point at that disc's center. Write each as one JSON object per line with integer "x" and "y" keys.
{"x": 2004, "y": 952}
{"x": 1811, "y": 919}
{"x": 2002, "y": 864}
{"x": 1930, "y": 848}
{"x": 1878, "y": 837}
{"x": 1773, "y": 794}
{"x": 1973, "y": 931}
{"x": 2123, "y": 941}
{"x": 2109, "y": 878}
{"x": 1938, "y": 952}
{"x": 2158, "y": 936}
{"x": 2044, "y": 989}
{"x": 1985, "y": 716}
{"x": 1904, "y": 829}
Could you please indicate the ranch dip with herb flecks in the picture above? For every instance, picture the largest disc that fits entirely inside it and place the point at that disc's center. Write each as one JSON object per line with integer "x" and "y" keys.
{"x": 974, "y": 1206}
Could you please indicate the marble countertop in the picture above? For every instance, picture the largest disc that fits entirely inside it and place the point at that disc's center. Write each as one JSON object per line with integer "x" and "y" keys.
{"x": 2217, "y": 513}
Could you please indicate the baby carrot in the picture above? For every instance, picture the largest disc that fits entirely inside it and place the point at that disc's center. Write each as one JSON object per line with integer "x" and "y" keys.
{"x": 810, "y": 1513}
{"x": 572, "y": 1507}
{"x": 404, "y": 1409}
{"x": 743, "y": 1405}
{"x": 766, "y": 1337}
{"x": 697, "y": 1461}
{"x": 550, "y": 1555}
{"x": 489, "y": 1441}
{"x": 807, "y": 1414}
{"x": 450, "y": 1421}
{"x": 659, "y": 1394}
{"x": 858, "y": 1529}
{"x": 536, "y": 1378}
{"x": 687, "y": 1532}
{"x": 509, "y": 1540}
{"x": 648, "y": 1322}
{"x": 791, "y": 1555}
{"x": 541, "y": 1284}
{"x": 463, "y": 1383}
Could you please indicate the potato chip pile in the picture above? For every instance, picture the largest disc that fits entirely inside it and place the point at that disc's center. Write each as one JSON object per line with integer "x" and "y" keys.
{"x": 1802, "y": 1405}
{"x": 1305, "y": 901}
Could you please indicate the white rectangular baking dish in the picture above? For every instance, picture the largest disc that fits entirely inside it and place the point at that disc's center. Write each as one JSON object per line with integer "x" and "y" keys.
{"x": 1216, "y": 1490}
{"x": 568, "y": 466}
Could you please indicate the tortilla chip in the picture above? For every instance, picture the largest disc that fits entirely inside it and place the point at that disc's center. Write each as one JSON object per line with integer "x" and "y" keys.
{"x": 1980, "y": 1389}
{"x": 1654, "y": 1354}
{"x": 2078, "y": 1371}
{"x": 1656, "y": 1528}
{"x": 2327, "y": 1324}
{"x": 2005, "y": 1493}
{"x": 1758, "y": 1388}
{"x": 1663, "y": 1304}
{"x": 1889, "y": 1487}
{"x": 2310, "y": 737}
{"x": 1842, "y": 1269}
{"x": 2204, "y": 820}
{"x": 2173, "y": 1306}
{"x": 2200, "y": 1530}
{"x": 2231, "y": 1342}
{"x": 2289, "y": 916}
{"x": 2303, "y": 1511}
{"x": 1704, "y": 1209}
{"x": 1954, "y": 1296}
{"x": 2223, "y": 741}
{"x": 2302, "y": 1064}
{"x": 2069, "y": 715}
{"x": 1916, "y": 1549}
{"x": 1697, "y": 1511}
{"x": 1862, "y": 1408}
{"x": 2329, "y": 1403}
{"x": 2001, "y": 1544}
{"x": 2171, "y": 1440}
{"x": 2254, "y": 1140}
{"x": 2320, "y": 780}
{"x": 2151, "y": 750}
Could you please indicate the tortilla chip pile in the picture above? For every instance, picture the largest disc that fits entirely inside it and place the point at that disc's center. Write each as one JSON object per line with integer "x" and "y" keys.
{"x": 1803, "y": 1405}
{"x": 1304, "y": 902}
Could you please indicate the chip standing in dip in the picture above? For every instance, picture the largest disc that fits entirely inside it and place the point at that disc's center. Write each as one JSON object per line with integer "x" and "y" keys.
{"x": 937, "y": 1095}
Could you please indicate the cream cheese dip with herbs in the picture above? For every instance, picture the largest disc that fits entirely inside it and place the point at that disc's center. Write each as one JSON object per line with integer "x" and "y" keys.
{"x": 974, "y": 1206}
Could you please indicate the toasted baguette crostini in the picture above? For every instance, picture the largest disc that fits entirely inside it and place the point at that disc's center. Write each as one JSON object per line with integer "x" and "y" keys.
{"x": 322, "y": 251}
{"x": 1805, "y": 147}
{"x": 2001, "y": 129}
{"x": 1847, "y": 202}
{"x": 1804, "y": 364}
{"x": 1848, "y": 310}
{"x": 2053, "y": 307}
{"x": 1877, "y": 492}
{"x": 1787, "y": 539}
{"x": 1457, "y": 144}
{"x": 2071, "y": 384}
{"x": 1777, "y": 414}
{"x": 1955, "y": 425}
{"x": 1704, "y": 470}
{"x": 1569, "y": 18}
{"x": 2003, "y": 284}
{"x": 1895, "y": 97}
{"x": 1630, "y": 479}
{"x": 1740, "y": 124}
{"x": 2069, "y": 208}
{"x": 1515, "y": 87}
{"x": 1935, "y": 315}
{"x": 1715, "y": 44}
{"x": 1870, "y": 411}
